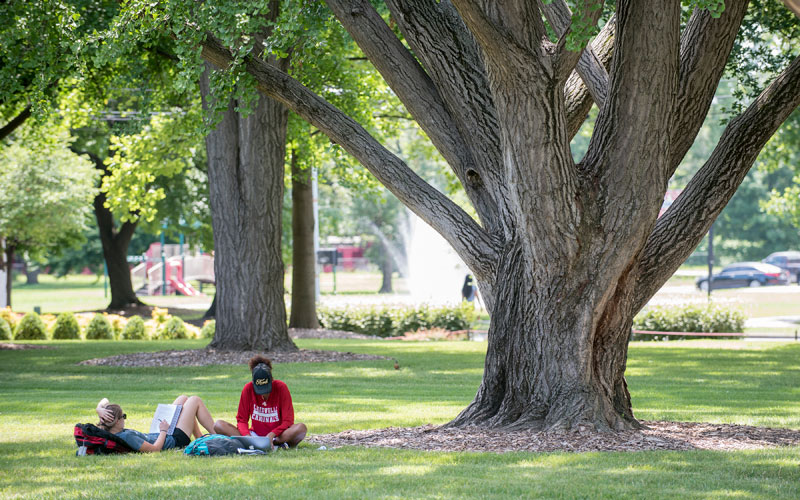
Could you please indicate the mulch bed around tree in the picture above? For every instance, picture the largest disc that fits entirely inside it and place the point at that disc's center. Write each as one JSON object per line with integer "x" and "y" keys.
{"x": 5, "y": 346}
{"x": 656, "y": 436}
{"x": 203, "y": 357}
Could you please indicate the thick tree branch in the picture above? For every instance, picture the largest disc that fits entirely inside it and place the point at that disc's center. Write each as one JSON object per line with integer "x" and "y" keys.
{"x": 578, "y": 98}
{"x": 418, "y": 93}
{"x": 501, "y": 27}
{"x": 589, "y": 67}
{"x": 683, "y": 226}
{"x": 15, "y": 122}
{"x": 632, "y": 131}
{"x": 705, "y": 45}
{"x": 440, "y": 40}
{"x": 472, "y": 243}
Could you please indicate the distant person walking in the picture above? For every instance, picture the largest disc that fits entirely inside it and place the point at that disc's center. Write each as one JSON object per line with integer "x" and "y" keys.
{"x": 469, "y": 291}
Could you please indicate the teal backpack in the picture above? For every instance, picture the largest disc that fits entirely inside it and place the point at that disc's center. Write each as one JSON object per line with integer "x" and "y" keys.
{"x": 213, "y": 445}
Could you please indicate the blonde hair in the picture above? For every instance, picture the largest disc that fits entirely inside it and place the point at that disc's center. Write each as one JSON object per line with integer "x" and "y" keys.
{"x": 116, "y": 412}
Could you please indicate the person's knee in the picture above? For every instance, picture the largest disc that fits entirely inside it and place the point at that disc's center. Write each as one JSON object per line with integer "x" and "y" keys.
{"x": 220, "y": 427}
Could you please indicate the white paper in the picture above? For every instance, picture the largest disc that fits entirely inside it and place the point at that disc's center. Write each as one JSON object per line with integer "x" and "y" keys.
{"x": 170, "y": 413}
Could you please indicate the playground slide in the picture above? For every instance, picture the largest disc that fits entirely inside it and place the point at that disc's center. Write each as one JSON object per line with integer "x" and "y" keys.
{"x": 183, "y": 288}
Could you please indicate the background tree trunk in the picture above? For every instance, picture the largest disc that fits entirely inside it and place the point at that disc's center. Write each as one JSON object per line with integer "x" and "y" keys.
{"x": 9, "y": 264}
{"x": 32, "y": 274}
{"x": 304, "y": 297}
{"x": 387, "y": 267}
{"x": 212, "y": 309}
{"x": 115, "y": 252}
{"x": 245, "y": 175}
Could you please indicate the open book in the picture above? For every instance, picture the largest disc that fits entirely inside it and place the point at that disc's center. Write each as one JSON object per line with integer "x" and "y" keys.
{"x": 170, "y": 413}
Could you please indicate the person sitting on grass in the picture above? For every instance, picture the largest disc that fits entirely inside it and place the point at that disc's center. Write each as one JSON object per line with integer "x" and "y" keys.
{"x": 193, "y": 410}
{"x": 268, "y": 405}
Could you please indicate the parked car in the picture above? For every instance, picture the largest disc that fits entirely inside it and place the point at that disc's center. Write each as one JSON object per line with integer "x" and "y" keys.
{"x": 743, "y": 274}
{"x": 788, "y": 261}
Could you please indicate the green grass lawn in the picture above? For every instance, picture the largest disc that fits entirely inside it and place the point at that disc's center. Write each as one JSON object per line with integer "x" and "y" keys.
{"x": 43, "y": 393}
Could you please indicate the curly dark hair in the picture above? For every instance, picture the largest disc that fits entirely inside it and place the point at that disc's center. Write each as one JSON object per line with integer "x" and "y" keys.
{"x": 258, "y": 359}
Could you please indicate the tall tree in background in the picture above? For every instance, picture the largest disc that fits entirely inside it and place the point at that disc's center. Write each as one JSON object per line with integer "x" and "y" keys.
{"x": 45, "y": 196}
{"x": 245, "y": 175}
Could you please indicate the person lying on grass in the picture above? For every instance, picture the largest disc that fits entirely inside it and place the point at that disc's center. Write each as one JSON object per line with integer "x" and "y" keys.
{"x": 112, "y": 419}
{"x": 268, "y": 405}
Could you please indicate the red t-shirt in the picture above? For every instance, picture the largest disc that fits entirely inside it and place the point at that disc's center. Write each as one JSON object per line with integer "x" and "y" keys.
{"x": 274, "y": 414}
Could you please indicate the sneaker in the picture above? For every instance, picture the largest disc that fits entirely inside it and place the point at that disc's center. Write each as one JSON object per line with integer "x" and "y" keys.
{"x": 282, "y": 446}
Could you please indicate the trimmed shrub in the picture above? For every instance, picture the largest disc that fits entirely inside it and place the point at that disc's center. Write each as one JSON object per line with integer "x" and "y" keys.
{"x": 10, "y": 316}
{"x": 31, "y": 327}
{"x": 99, "y": 328}
{"x": 688, "y": 318}
{"x": 5, "y": 330}
{"x": 117, "y": 324}
{"x": 66, "y": 327}
{"x": 159, "y": 315}
{"x": 208, "y": 330}
{"x": 134, "y": 329}
{"x": 173, "y": 329}
{"x": 386, "y": 322}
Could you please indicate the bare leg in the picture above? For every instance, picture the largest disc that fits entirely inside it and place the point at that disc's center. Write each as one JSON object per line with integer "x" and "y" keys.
{"x": 293, "y": 435}
{"x": 180, "y": 400}
{"x": 227, "y": 428}
{"x": 194, "y": 408}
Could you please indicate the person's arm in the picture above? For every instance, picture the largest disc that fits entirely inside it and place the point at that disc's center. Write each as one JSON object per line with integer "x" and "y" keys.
{"x": 103, "y": 413}
{"x": 244, "y": 413}
{"x": 163, "y": 427}
{"x": 286, "y": 411}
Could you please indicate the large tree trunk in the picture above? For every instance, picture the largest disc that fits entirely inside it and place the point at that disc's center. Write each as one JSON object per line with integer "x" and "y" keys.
{"x": 304, "y": 272}
{"x": 245, "y": 175}
{"x": 542, "y": 370}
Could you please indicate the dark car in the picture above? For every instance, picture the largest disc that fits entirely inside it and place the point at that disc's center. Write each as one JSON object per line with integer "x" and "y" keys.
{"x": 743, "y": 274}
{"x": 788, "y": 261}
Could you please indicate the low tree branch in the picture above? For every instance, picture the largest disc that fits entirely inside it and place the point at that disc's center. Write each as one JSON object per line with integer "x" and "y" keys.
{"x": 15, "y": 122}
{"x": 472, "y": 243}
{"x": 678, "y": 232}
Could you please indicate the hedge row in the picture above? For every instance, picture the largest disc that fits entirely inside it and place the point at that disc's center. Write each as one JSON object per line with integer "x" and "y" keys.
{"x": 99, "y": 326}
{"x": 688, "y": 318}
{"x": 391, "y": 321}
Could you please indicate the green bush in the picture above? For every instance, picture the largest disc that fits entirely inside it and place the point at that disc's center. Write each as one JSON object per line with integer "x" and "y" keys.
{"x": 209, "y": 328}
{"x": 7, "y": 314}
{"x": 173, "y": 329}
{"x": 31, "y": 327}
{"x": 5, "y": 330}
{"x": 386, "y": 322}
{"x": 66, "y": 327}
{"x": 99, "y": 328}
{"x": 688, "y": 318}
{"x": 134, "y": 329}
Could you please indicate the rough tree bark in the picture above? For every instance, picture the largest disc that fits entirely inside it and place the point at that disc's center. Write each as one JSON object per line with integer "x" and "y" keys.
{"x": 115, "y": 241}
{"x": 565, "y": 254}
{"x": 304, "y": 297}
{"x": 245, "y": 176}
